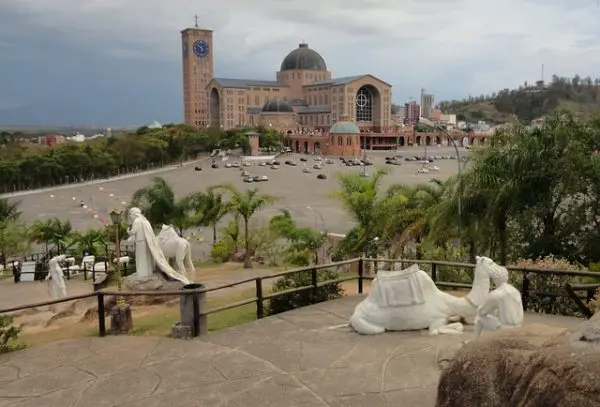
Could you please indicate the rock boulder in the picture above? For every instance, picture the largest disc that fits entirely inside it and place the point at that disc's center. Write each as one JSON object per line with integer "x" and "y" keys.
{"x": 531, "y": 366}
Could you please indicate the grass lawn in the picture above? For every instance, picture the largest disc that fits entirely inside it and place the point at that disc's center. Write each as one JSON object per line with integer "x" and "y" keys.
{"x": 160, "y": 323}
{"x": 154, "y": 320}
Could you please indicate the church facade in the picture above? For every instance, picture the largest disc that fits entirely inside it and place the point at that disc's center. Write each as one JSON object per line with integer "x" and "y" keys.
{"x": 304, "y": 93}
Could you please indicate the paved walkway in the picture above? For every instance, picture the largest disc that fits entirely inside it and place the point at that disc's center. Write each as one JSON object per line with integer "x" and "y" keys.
{"x": 294, "y": 359}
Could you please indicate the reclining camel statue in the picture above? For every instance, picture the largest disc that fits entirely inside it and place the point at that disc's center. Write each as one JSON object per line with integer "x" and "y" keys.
{"x": 404, "y": 300}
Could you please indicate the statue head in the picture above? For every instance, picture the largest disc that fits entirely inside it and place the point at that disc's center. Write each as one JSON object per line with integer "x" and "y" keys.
{"x": 134, "y": 213}
{"x": 497, "y": 273}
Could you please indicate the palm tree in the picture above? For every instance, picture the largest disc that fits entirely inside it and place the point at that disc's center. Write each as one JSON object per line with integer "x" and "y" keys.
{"x": 359, "y": 196}
{"x": 214, "y": 209}
{"x": 411, "y": 220}
{"x": 53, "y": 231}
{"x": 9, "y": 211}
{"x": 90, "y": 242}
{"x": 245, "y": 204}
{"x": 159, "y": 205}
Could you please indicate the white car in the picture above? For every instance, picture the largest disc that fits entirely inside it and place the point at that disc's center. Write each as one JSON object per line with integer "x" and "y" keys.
{"x": 274, "y": 167}
{"x": 245, "y": 174}
{"x": 306, "y": 171}
{"x": 264, "y": 178}
{"x": 263, "y": 164}
{"x": 248, "y": 179}
{"x": 228, "y": 165}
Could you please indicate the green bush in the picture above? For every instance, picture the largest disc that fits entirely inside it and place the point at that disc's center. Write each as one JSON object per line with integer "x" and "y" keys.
{"x": 8, "y": 334}
{"x": 220, "y": 252}
{"x": 548, "y": 283}
{"x": 306, "y": 297}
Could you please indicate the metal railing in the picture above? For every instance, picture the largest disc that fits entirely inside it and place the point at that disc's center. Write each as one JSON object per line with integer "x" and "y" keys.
{"x": 569, "y": 290}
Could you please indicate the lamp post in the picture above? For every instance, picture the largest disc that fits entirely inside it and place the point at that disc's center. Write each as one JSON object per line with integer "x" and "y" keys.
{"x": 458, "y": 160}
{"x": 320, "y": 217}
{"x": 115, "y": 217}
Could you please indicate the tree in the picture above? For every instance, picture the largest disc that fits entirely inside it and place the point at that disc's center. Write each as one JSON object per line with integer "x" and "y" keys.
{"x": 91, "y": 242}
{"x": 362, "y": 201}
{"x": 304, "y": 243}
{"x": 53, "y": 231}
{"x": 245, "y": 204}
{"x": 160, "y": 207}
{"x": 9, "y": 211}
{"x": 214, "y": 209}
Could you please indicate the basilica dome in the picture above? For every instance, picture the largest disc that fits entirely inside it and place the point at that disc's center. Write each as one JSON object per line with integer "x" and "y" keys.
{"x": 344, "y": 127}
{"x": 277, "y": 106}
{"x": 303, "y": 58}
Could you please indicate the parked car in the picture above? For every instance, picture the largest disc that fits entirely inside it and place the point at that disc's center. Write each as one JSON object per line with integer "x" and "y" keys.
{"x": 274, "y": 167}
{"x": 306, "y": 170}
{"x": 245, "y": 174}
{"x": 317, "y": 167}
{"x": 249, "y": 179}
{"x": 304, "y": 159}
{"x": 290, "y": 162}
{"x": 197, "y": 168}
{"x": 329, "y": 161}
{"x": 214, "y": 165}
{"x": 263, "y": 164}
{"x": 263, "y": 178}
{"x": 321, "y": 176}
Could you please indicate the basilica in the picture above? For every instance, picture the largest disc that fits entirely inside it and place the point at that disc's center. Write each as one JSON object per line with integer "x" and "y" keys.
{"x": 304, "y": 93}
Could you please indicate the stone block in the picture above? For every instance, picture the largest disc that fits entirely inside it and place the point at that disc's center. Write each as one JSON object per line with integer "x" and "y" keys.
{"x": 180, "y": 331}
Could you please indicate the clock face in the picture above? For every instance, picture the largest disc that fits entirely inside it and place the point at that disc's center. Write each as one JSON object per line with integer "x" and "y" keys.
{"x": 201, "y": 48}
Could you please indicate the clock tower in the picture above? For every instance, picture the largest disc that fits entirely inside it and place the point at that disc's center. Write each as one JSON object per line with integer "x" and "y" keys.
{"x": 198, "y": 68}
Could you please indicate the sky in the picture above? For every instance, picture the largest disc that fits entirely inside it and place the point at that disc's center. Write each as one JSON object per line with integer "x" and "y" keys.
{"x": 118, "y": 62}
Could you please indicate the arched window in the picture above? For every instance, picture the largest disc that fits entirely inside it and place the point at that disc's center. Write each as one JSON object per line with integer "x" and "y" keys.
{"x": 340, "y": 141}
{"x": 364, "y": 105}
{"x": 349, "y": 141}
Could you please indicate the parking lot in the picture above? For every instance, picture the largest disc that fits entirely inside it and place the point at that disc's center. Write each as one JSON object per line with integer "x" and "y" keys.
{"x": 296, "y": 187}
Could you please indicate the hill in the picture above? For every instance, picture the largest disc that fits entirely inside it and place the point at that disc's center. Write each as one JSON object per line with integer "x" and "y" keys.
{"x": 529, "y": 102}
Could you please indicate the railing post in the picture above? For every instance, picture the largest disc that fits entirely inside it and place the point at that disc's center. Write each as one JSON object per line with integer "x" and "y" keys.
{"x": 361, "y": 272}
{"x": 101, "y": 315}
{"x": 434, "y": 272}
{"x": 314, "y": 282}
{"x": 590, "y": 294}
{"x": 260, "y": 310}
{"x": 525, "y": 290}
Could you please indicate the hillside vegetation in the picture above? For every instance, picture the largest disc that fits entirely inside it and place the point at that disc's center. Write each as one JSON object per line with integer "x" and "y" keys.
{"x": 529, "y": 102}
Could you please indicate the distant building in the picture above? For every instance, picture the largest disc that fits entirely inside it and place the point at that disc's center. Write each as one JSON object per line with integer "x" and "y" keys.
{"x": 436, "y": 115}
{"x": 448, "y": 119}
{"x": 427, "y": 105}
{"x": 154, "y": 125}
{"x": 412, "y": 112}
{"x": 51, "y": 140}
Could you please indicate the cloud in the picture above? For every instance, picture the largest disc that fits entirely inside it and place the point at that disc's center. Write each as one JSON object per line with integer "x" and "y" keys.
{"x": 452, "y": 48}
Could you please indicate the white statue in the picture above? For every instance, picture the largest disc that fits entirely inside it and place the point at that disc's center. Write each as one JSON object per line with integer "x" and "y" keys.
{"x": 147, "y": 249}
{"x": 503, "y": 307}
{"x": 56, "y": 282}
{"x": 175, "y": 246}
{"x": 404, "y": 300}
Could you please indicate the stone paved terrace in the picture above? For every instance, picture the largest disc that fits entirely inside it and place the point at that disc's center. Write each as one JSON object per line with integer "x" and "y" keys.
{"x": 294, "y": 359}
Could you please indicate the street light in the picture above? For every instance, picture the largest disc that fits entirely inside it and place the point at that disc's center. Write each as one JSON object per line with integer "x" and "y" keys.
{"x": 115, "y": 217}
{"x": 458, "y": 160}
{"x": 320, "y": 216}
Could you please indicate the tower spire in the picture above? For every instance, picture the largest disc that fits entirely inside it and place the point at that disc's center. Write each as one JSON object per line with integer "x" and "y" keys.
{"x": 196, "y": 20}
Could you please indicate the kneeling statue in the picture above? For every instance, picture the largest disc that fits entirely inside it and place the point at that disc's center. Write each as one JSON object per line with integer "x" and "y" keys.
{"x": 503, "y": 307}
{"x": 404, "y": 300}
